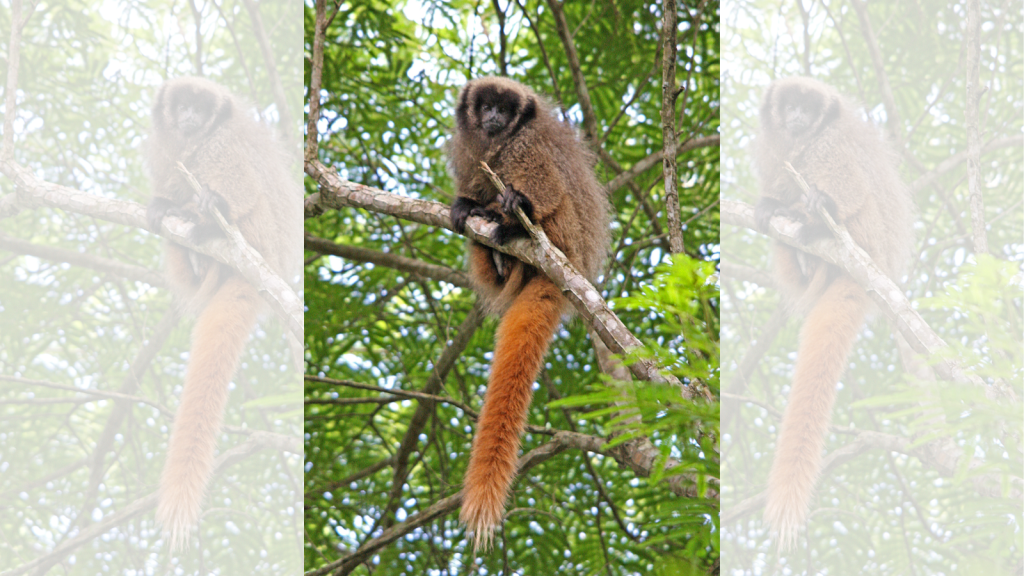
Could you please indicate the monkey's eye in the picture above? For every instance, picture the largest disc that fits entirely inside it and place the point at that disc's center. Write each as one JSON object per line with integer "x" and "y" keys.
{"x": 794, "y": 110}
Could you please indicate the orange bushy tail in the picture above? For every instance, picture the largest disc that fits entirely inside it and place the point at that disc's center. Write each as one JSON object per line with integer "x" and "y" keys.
{"x": 218, "y": 339}
{"x": 521, "y": 342}
{"x": 826, "y": 340}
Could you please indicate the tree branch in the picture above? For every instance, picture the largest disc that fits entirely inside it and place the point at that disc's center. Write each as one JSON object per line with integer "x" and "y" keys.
{"x": 946, "y": 462}
{"x": 582, "y": 95}
{"x": 31, "y": 192}
{"x": 642, "y": 166}
{"x": 437, "y": 510}
{"x": 972, "y": 121}
{"x": 386, "y": 259}
{"x": 337, "y": 193}
{"x": 668, "y": 126}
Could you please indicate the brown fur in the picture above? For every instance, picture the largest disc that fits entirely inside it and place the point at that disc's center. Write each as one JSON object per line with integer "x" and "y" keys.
{"x": 542, "y": 162}
{"x": 849, "y": 165}
{"x": 243, "y": 173}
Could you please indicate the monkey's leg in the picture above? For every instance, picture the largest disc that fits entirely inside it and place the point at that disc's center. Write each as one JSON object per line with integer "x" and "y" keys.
{"x": 826, "y": 340}
{"x": 218, "y": 339}
{"x": 496, "y": 277}
{"x": 522, "y": 340}
{"x": 181, "y": 271}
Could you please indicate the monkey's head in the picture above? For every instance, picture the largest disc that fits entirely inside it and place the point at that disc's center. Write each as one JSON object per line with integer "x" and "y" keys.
{"x": 188, "y": 109}
{"x": 494, "y": 108}
{"x": 799, "y": 106}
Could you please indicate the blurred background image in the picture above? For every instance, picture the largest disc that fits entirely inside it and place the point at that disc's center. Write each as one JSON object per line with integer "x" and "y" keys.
{"x": 93, "y": 347}
{"x": 922, "y": 465}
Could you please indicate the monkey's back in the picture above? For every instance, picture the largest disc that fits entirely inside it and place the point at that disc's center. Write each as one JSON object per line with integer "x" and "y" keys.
{"x": 249, "y": 168}
{"x": 855, "y": 165}
{"x": 552, "y": 156}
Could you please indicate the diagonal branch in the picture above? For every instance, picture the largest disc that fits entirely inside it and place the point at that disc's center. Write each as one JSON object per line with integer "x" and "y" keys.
{"x": 437, "y": 510}
{"x": 642, "y": 166}
{"x": 855, "y": 262}
{"x": 425, "y": 408}
{"x": 642, "y": 464}
{"x": 946, "y": 462}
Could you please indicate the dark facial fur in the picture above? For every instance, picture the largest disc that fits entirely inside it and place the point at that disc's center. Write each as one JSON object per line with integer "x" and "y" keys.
{"x": 191, "y": 110}
{"x": 798, "y": 108}
{"x": 495, "y": 111}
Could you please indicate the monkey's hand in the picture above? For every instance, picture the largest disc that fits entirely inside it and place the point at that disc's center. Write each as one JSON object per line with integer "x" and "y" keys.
{"x": 207, "y": 200}
{"x": 464, "y": 207}
{"x": 815, "y": 200}
{"x": 509, "y": 226}
{"x": 513, "y": 199}
{"x": 160, "y": 207}
{"x": 763, "y": 212}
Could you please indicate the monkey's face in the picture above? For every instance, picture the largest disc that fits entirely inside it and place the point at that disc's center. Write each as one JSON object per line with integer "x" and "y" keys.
{"x": 794, "y": 107}
{"x": 798, "y": 116}
{"x": 799, "y": 110}
{"x": 495, "y": 109}
{"x": 492, "y": 110}
{"x": 189, "y": 118}
{"x": 495, "y": 116}
{"x": 191, "y": 112}
{"x": 186, "y": 111}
